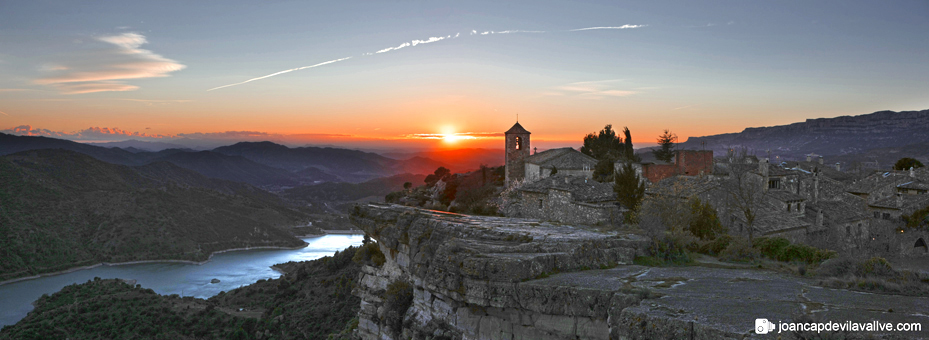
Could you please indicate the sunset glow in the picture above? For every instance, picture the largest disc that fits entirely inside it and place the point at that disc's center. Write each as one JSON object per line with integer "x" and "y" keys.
{"x": 316, "y": 74}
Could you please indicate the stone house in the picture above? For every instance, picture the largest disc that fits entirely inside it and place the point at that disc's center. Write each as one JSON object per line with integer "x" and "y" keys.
{"x": 685, "y": 163}
{"x": 569, "y": 199}
{"x": 567, "y": 161}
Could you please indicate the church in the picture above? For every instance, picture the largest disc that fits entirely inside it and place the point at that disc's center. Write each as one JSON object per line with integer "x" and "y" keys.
{"x": 557, "y": 184}
{"x": 523, "y": 166}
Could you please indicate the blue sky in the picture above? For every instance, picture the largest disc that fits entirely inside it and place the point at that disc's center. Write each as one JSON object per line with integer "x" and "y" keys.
{"x": 697, "y": 68}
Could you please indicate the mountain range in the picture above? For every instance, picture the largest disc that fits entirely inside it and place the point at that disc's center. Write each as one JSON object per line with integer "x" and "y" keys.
{"x": 848, "y": 137}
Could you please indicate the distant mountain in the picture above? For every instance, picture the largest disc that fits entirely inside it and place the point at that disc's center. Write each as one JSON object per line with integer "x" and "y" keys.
{"x": 11, "y": 144}
{"x": 846, "y": 135}
{"x": 349, "y": 165}
{"x": 336, "y": 192}
{"x": 60, "y": 209}
{"x": 457, "y": 160}
{"x": 141, "y": 145}
{"x": 233, "y": 168}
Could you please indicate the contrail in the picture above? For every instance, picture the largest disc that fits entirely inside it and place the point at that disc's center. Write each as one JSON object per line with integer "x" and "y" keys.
{"x": 427, "y": 41}
{"x": 4, "y": 113}
{"x": 282, "y": 72}
{"x": 607, "y": 28}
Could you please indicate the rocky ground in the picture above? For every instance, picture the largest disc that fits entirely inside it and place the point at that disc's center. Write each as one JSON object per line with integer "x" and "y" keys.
{"x": 497, "y": 278}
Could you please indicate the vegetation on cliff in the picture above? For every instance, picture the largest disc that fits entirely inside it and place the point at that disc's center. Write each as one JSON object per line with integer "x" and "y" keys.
{"x": 61, "y": 209}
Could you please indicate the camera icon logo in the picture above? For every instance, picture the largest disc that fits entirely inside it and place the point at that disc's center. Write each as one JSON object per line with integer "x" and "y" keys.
{"x": 763, "y": 326}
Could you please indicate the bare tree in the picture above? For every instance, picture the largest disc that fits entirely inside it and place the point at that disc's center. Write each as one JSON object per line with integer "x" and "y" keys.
{"x": 744, "y": 189}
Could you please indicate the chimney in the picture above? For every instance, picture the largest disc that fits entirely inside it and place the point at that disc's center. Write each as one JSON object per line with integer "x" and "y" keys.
{"x": 838, "y": 166}
{"x": 899, "y": 200}
{"x": 816, "y": 187}
{"x": 820, "y": 159}
{"x": 809, "y": 158}
{"x": 819, "y": 218}
{"x": 912, "y": 172}
{"x": 763, "y": 168}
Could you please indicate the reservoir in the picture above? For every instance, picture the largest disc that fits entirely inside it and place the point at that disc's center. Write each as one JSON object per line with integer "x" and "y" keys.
{"x": 233, "y": 269}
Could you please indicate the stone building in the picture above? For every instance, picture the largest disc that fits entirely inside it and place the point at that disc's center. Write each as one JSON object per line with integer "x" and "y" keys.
{"x": 569, "y": 199}
{"x": 568, "y": 161}
{"x": 516, "y": 149}
{"x": 686, "y": 163}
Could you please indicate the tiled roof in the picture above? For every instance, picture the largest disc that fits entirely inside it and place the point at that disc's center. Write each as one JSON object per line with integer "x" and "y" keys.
{"x": 517, "y": 129}
{"x": 563, "y": 159}
{"x": 841, "y": 211}
{"x": 879, "y": 180}
{"x": 910, "y": 203}
{"x": 785, "y": 196}
{"x": 582, "y": 190}
{"x": 915, "y": 185}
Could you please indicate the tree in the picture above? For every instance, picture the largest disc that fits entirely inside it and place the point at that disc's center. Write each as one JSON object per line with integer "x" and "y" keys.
{"x": 604, "y": 145}
{"x": 906, "y": 163}
{"x": 666, "y": 141}
{"x": 745, "y": 191}
{"x": 704, "y": 224}
{"x": 629, "y": 189}
{"x": 438, "y": 175}
{"x": 629, "y": 152}
{"x": 407, "y": 185}
{"x": 603, "y": 171}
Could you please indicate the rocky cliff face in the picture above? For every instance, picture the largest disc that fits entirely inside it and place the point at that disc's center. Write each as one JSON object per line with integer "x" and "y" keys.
{"x": 826, "y": 136}
{"x": 497, "y": 278}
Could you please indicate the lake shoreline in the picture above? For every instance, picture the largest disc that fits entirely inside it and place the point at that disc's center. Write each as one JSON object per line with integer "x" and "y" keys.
{"x": 113, "y": 264}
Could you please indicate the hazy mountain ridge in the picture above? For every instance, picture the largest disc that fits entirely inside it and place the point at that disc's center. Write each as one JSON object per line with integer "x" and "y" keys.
{"x": 349, "y": 165}
{"x": 60, "y": 209}
{"x": 845, "y": 135}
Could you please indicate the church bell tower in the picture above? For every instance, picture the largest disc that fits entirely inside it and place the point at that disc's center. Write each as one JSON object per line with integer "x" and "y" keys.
{"x": 517, "y": 149}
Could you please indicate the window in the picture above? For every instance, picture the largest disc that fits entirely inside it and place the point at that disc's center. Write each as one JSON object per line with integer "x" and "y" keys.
{"x": 540, "y": 204}
{"x": 774, "y": 184}
{"x": 877, "y": 214}
{"x": 848, "y": 230}
{"x": 519, "y": 143}
{"x": 788, "y": 207}
{"x": 886, "y": 216}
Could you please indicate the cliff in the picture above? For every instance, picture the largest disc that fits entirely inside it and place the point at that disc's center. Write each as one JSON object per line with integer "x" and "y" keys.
{"x": 497, "y": 278}
{"x": 825, "y": 136}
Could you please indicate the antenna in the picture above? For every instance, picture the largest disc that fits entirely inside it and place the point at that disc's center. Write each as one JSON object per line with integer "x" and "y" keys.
{"x": 517, "y": 118}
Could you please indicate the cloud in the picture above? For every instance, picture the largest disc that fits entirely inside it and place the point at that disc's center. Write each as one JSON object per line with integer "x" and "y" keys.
{"x": 256, "y": 135}
{"x": 608, "y": 28}
{"x": 103, "y": 67}
{"x": 88, "y": 134}
{"x": 282, "y": 72}
{"x": 458, "y": 135}
{"x": 4, "y": 113}
{"x": 591, "y": 89}
{"x": 13, "y": 90}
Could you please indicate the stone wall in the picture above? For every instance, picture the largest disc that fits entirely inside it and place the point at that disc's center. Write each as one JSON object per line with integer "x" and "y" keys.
{"x": 559, "y": 205}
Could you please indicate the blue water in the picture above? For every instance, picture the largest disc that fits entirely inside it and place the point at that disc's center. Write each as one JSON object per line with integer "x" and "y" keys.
{"x": 233, "y": 269}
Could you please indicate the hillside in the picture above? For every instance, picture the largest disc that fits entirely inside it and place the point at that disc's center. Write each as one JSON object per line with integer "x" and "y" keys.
{"x": 232, "y": 168}
{"x": 61, "y": 209}
{"x": 341, "y": 192}
{"x": 846, "y": 135}
{"x": 349, "y": 165}
{"x": 312, "y": 300}
{"x": 461, "y": 159}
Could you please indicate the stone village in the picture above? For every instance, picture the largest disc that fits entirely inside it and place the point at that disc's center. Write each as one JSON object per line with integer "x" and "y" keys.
{"x": 803, "y": 201}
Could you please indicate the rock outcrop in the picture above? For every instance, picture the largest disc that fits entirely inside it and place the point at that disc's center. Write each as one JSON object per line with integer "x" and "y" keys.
{"x": 498, "y": 278}
{"x": 825, "y": 136}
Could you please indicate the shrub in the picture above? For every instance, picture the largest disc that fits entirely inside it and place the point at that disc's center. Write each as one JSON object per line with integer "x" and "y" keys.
{"x": 739, "y": 250}
{"x": 397, "y": 299}
{"x": 876, "y": 266}
{"x": 369, "y": 254}
{"x": 771, "y": 246}
{"x": 716, "y": 246}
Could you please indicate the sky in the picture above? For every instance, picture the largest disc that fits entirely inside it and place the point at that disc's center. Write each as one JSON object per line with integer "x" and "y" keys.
{"x": 410, "y": 74}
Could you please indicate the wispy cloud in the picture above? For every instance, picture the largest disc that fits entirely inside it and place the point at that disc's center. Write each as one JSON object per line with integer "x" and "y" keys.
{"x": 88, "y": 134}
{"x": 457, "y": 135}
{"x": 427, "y": 41}
{"x": 13, "y": 90}
{"x": 282, "y": 72}
{"x": 4, "y": 113}
{"x": 591, "y": 89}
{"x": 99, "y": 68}
{"x": 607, "y": 28}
